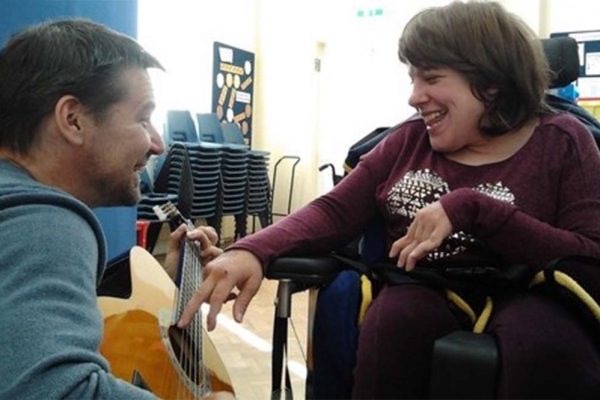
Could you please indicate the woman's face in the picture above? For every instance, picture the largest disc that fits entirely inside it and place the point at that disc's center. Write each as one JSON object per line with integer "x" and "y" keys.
{"x": 450, "y": 110}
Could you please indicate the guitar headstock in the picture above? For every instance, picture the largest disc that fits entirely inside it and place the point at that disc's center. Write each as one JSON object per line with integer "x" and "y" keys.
{"x": 168, "y": 212}
{"x": 190, "y": 249}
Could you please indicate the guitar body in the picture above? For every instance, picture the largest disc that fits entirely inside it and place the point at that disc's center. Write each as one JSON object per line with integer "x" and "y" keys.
{"x": 136, "y": 335}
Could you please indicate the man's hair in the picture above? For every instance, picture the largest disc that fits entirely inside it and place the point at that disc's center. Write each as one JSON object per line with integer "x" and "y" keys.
{"x": 70, "y": 57}
{"x": 499, "y": 55}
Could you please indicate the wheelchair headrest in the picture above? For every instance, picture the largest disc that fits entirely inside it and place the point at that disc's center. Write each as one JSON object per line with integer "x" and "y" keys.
{"x": 563, "y": 59}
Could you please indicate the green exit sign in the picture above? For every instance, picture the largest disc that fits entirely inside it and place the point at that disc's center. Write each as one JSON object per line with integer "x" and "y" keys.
{"x": 372, "y": 12}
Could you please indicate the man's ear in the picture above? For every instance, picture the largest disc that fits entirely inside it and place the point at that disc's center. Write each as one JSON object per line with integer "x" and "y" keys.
{"x": 70, "y": 119}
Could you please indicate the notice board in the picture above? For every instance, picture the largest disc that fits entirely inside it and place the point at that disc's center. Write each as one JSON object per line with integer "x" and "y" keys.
{"x": 233, "y": 87}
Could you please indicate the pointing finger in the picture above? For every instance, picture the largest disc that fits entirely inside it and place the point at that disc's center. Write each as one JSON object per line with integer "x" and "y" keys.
{"x": 195, "y": 302}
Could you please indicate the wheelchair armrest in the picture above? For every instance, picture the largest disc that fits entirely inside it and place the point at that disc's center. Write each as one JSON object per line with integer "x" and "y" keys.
{"x": 464, "y": 366}
{"x": 305, "y": 270}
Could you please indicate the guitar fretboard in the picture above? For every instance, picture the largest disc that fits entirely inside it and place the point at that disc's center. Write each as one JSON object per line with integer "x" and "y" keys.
{"x": 189, "y": 279}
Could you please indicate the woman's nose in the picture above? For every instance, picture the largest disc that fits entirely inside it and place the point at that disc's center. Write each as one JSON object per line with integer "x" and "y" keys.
{"x": 418, "y": 97}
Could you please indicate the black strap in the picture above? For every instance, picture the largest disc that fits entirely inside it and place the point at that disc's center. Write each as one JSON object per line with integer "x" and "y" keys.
{"x": 387, "y": 272}
{"x": 358, "y": 266}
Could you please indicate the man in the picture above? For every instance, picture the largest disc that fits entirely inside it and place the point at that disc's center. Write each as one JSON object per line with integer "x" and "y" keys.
{"x": 75, "y": 131}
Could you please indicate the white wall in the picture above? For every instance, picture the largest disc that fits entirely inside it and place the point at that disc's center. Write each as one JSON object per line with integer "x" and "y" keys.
{"x": 572, "y": 15}
{"x": 285, "y": 90}
{"x": 180, "y": 33}
{"x": 530, "y": 11}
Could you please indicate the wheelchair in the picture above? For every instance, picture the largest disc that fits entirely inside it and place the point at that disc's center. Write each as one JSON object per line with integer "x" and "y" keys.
{"x": 464, "y": 363}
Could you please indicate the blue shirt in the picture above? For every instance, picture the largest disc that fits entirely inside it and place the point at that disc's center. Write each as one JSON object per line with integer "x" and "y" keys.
{"x": 52, "y": 254}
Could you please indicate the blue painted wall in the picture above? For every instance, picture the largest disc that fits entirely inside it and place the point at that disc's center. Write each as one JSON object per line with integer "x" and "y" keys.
{"x": 120, "y": 15}
{"x": 118, "y": 224}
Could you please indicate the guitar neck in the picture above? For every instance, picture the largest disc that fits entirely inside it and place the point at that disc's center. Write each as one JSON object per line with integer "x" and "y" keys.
{"x": 189, "y": 272}
{"x": 189, "y": 276}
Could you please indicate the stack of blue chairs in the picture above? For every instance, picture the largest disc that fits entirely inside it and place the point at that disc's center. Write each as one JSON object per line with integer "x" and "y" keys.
{"x": 235, "y": 182}
{"x": 209, "y": 128}
{"x": 204, "y": 162}
{"x": 258, "y": 195}
{"x": 173, "y": 176}
{"x": 234, "y": 172}
{"x": 259, "y": 189}
{"x": 227, "y": 178}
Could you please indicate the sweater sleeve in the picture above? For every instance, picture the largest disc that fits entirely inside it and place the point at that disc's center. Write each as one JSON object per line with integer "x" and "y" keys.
{"x": 332, "y": 219}
{"x": 518, "y": 236}
{"x": 51, "y": 326}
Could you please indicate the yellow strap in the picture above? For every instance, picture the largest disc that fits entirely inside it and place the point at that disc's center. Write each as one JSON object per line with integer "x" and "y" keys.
{"x": 367, "y": 297}
{"x": 461, "y": 304}
{"x": 571, "y": 285}
{"x": 565, "y": 280}
{"x": 484, "y": 316}
{"x": 347, "y": 168}
{"x": 480, "y": 323}
{"x": 537, "y": 279}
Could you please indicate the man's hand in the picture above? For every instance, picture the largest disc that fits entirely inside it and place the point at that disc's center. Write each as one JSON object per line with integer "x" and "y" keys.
{"x": 235, "y": 268}
{"x": 206, "y": 236}
{"x": 426, "y": 233}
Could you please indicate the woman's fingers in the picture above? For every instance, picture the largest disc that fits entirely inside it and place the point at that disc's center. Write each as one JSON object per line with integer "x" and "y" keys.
{"x": 425, "y": 234}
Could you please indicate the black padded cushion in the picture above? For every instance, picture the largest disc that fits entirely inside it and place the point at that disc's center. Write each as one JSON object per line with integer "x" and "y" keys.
{"x": 563, "y": 59}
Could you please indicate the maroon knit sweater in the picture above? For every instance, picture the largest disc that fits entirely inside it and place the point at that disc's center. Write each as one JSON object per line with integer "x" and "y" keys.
{"x": 541, "y": 203}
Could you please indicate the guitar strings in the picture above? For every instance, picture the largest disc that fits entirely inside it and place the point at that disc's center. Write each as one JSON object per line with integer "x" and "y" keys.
{"x": 188, "y": 337}
{"x": 181, "y": 297}
{"x": 191, "y": 337}
{"x": 193, "y": 361}
{"x": 191, "y": 278}
{"x": 193, "y": 371}
{"x": 196, "y": 334}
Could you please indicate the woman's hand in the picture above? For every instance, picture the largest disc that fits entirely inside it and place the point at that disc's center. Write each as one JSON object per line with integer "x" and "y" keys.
{"x": 234, "y": 268}
{"x": 206, "y": 236}
{"x": 426, "y": 233}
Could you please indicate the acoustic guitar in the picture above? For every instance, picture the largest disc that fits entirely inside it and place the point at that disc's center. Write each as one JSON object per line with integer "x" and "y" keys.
{"x": 142, "y": 342}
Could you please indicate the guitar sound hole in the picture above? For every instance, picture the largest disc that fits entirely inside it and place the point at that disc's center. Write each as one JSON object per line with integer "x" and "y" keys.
{"x": 188, "y": 353}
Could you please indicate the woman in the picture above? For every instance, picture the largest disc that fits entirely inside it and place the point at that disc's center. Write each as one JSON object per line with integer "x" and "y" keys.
{"x": 486, "y": 171}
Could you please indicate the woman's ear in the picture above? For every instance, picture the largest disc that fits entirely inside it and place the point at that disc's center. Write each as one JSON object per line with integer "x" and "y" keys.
{"x": 69, "y": 118}
{"x": 491, "y": 93}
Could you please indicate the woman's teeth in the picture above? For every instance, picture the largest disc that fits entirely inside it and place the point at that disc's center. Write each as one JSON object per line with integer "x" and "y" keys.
{"x": 433, "y": 118}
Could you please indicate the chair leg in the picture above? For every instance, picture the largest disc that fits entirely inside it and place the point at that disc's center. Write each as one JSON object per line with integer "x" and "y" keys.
{"x": 279, "y": 368}
{"x": 313, "y": 294}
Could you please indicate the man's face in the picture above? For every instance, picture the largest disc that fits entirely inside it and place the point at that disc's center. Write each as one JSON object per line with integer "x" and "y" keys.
{"x": 122, "y": 142}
